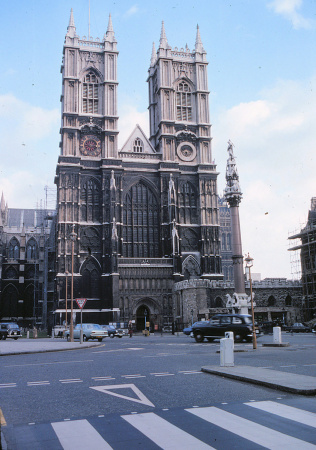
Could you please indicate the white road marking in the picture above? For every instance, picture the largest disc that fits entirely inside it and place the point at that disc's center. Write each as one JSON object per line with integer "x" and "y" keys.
{"x": 108, "y": 390}
{"x": 288, "y": 412}
{"x": 102, "y": 378}
{"x": 8, "y": 385}
{"x": 71, "y": 380}
{"x": 79, "y": 434}
{"x": 163, "y": 433}
{"x": 247, "y": 429}
{"x": 38, "y": 383}
{"x": 49, "y": 363}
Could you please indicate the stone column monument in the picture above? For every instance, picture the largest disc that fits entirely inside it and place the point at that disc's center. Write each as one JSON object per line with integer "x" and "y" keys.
{"x": 239, "y": 302}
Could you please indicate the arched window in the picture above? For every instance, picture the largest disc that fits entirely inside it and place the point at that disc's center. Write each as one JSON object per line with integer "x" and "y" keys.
{"x": 14, "y": 249}
{"x": 90, "y": 201}
{"x": 140, "y": 223}
{"x": 138, "y": 146}
{"x": 184, "y": 102}
{"x": 9, "y": 302}
{"x": 271, "y": 301}
{"x": 188, "y": 203}
{"x": 31, "y": 249}
{"x": 288, "y": 300}
{"x": 90, "y": 282}
{"x": 90, "y": 94}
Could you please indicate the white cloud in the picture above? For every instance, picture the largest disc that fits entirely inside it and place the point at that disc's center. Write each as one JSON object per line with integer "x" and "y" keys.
{"x": 132, "y": 11}
{"x": 275, "y": 143}
{"x": 129, "y": 118}
{"x": 29, "y": 148}
{"x": 289, "y": 10}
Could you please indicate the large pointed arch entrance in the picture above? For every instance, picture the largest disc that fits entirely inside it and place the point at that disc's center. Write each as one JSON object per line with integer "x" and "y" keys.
{"x": 142, "y": 315}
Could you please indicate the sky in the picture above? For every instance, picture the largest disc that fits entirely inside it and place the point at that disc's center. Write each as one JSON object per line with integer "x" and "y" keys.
{"x": 262, "y": 83}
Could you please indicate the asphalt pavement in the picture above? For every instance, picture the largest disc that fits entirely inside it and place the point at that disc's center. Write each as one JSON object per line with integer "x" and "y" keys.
{"x": 294, "y": 383}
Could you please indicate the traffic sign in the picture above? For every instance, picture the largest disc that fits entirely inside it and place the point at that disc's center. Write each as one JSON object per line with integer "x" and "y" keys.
{"x": 81, "y": 302}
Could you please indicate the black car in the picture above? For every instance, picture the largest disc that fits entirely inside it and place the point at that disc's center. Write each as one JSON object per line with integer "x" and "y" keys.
{"x": 217, "y": 326}
{"x": 10, "y": 330}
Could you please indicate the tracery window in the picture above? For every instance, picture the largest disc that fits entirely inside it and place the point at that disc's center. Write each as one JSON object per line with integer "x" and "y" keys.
{"x": 184, "y": 102}
{"x": 90, "y": 94}
{"x": 14, "y": 249}
{"x": 138, "y": 146}
{"x": 90, "y": 201}
{"x": 188, "y": 203}
{"x": 31, "y": 249}
{"x": 140, "y": 223}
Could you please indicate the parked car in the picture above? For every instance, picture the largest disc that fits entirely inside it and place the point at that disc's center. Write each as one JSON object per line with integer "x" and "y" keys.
{"x": 112, "y": 331}
{"x": 90, "y": 331}
{"x": 188, "y": 330}
{"x": 10, "y": 330}
{"x": 218, "y": 325}
{"x": 298, "y": 328}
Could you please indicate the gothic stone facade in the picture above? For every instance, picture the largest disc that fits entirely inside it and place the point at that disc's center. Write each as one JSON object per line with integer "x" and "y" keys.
{"x": 276, "y": 300}
{"x": 144, "y": 216}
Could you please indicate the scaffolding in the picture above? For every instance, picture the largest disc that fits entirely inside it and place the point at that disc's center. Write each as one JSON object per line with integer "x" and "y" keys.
{"x": 305, "y": 245}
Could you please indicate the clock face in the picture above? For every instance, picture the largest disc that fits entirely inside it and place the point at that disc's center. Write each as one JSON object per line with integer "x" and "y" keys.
{"x": 90, "y": 145}
{"x": 186, "y": 151}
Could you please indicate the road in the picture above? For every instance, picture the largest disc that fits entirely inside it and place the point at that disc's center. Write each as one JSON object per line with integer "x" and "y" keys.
{"x": 117, "y": 392}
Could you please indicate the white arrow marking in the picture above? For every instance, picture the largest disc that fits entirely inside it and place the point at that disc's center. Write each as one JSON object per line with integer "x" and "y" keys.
{"x": 108, "y": 390}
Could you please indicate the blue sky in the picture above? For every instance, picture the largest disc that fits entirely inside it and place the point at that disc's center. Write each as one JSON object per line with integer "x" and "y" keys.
{"x": 262, "y": 82}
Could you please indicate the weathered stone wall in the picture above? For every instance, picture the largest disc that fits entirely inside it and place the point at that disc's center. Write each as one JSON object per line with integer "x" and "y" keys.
{"x": 274, "y": 300}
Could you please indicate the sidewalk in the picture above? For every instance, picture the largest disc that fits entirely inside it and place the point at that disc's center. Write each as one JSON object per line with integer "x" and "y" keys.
{"x": 9, "y": 347}
{"x": 284, "y": 381}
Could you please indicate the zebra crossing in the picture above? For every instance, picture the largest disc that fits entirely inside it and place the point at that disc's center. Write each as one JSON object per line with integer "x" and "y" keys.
{"x": 250, "y": 425}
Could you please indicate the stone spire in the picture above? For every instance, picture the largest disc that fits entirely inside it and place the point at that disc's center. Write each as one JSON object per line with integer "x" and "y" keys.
{"x": 198, "y": 42}
{"x": 109, "y": 36}
{"x": 2, "y": 205}
{"x": 153, "y": 56}
{"x": 71, "y": 30}
{"x": 163, "y": 38}
{"x": 232, "y": 191}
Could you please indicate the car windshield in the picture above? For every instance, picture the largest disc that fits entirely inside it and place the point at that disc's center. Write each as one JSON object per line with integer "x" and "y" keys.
{"x": 13, "y": 325}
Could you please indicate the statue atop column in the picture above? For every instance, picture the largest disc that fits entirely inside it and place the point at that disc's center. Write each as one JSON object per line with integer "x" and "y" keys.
{"x": 240, "y": 301}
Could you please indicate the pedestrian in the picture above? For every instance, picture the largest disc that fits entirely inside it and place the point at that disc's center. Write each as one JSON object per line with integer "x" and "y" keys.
{"x": 130, "y": 329}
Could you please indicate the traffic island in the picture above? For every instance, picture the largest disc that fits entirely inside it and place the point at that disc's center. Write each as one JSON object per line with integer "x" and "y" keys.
{"x": 284, "y": 381}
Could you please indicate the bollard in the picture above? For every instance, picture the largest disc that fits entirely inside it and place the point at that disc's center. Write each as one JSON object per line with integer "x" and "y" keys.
{"x": 81, "y": 335}
{"x": 53, "y": 333}
{"x": 227, "y": 352}
{"x": 27, "y": 335}
{"x": 277, "y": 337}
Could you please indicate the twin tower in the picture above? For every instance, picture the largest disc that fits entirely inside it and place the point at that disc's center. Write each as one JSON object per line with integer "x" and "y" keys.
{"x": 145, "y": 216}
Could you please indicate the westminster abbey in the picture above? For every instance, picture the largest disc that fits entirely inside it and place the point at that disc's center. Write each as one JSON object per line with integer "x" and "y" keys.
{"x": 136, "y": 220}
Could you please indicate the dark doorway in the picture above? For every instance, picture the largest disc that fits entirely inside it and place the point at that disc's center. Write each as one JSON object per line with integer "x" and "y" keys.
{"x": 142, "y": 314}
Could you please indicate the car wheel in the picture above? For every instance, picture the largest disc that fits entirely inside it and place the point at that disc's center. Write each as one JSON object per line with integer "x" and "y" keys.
{"x": 100, "y": 339}
{"x": 111, "y": 335}
{"x": 120, "y": 336}
{"x": 4, "y": 337}
{"x": 237, "y": 338}
{"x": 85, "y": 338}
{"x": 199, "y": 337}
{"x": 210, "y": 339}
{"x": 15, "y": 339}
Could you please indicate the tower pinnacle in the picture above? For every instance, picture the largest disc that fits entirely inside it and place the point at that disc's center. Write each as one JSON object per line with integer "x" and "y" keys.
{"x": 163, "y": 39}
{"x": 153, "y": 56}
{"x": 71, "y": 30}
{"x": 198, "y": 42}
{"x": 109, "y": 36}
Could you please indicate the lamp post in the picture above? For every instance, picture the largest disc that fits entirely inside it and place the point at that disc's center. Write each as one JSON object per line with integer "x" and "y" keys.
{"x": 73, "y": 236}
{"x": 249, "y": 264}
{"x": 145, "y": 314}
{"x": 66, "y": 273}
{"x": 192, "y": 316}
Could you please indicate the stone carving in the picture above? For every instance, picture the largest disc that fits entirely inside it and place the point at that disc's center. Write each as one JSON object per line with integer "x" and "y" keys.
{"x": 232, "y": 191}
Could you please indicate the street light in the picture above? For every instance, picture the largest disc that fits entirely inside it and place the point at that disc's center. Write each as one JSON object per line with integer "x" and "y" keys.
{"x": 72, "y": 236}
{"x": 192, "y": 316}
{"x": 66, "y": 273}
{"x": 249, "y": 264}
{"x": 145, "y": 314}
